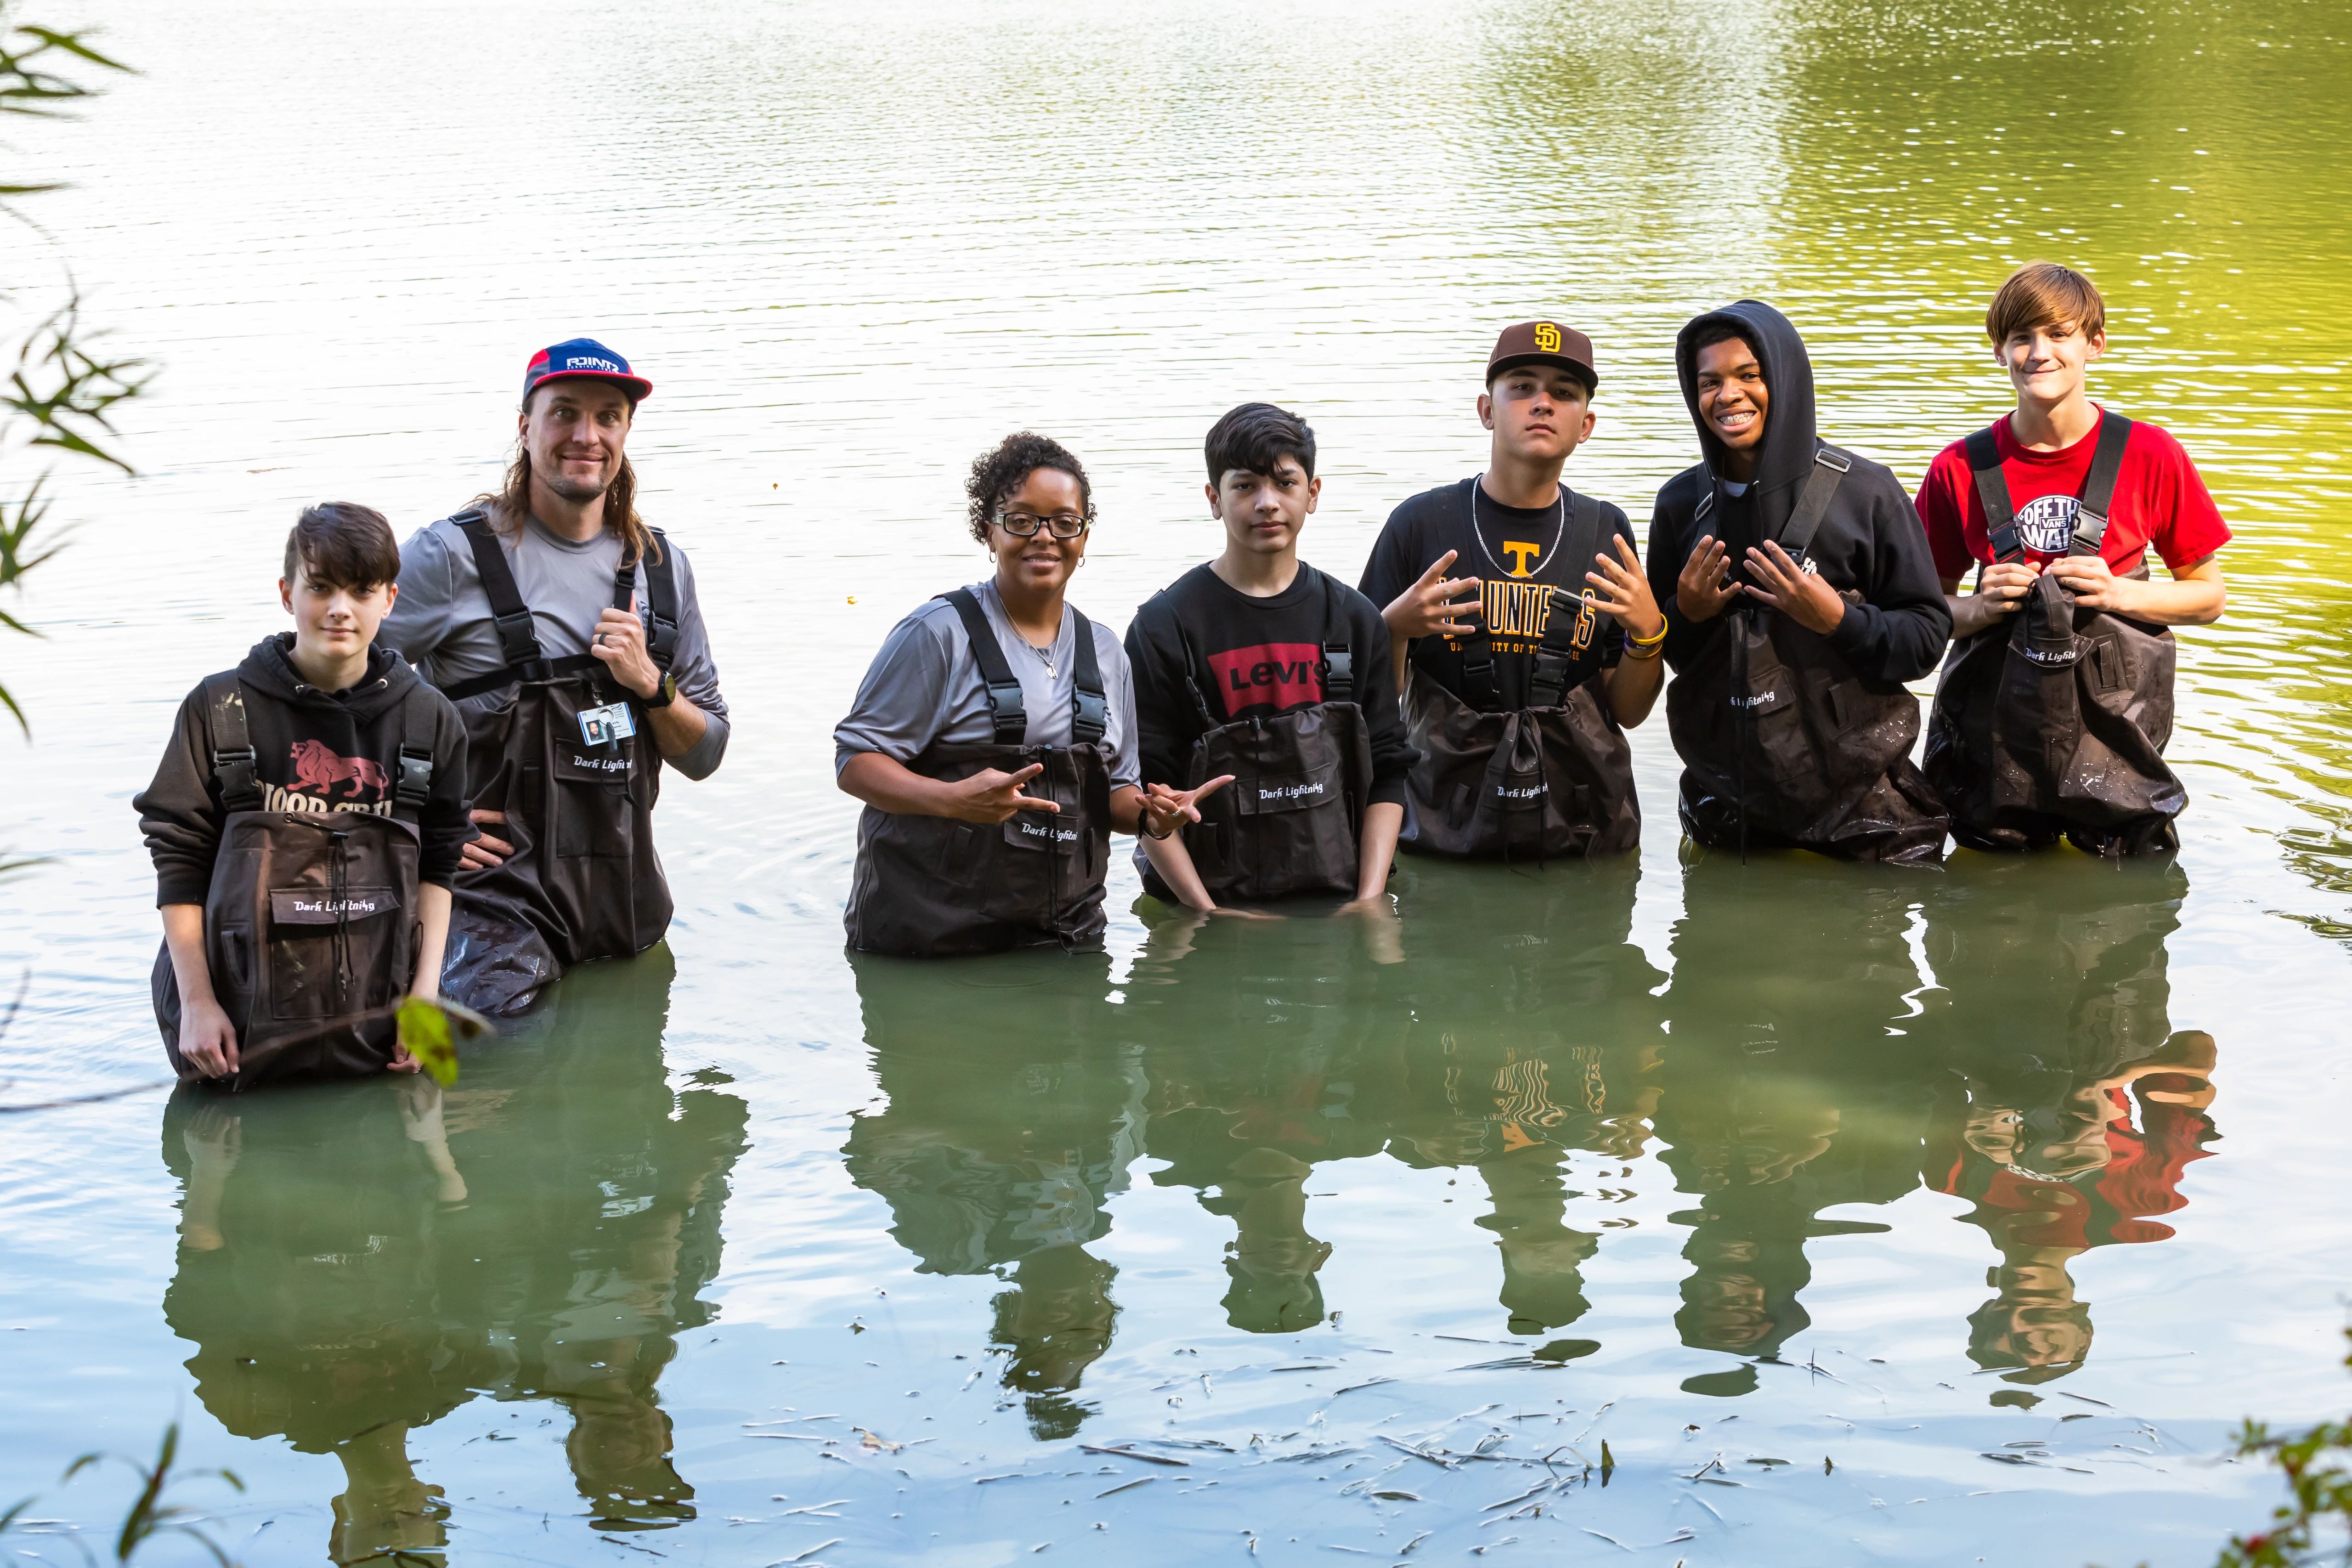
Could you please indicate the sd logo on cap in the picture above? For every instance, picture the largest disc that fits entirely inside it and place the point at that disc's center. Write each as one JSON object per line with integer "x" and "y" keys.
{"x": 1543, "y": 343}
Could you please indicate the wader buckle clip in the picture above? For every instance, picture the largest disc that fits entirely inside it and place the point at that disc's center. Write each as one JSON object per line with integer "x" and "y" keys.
{"x": 518, "y": 638}
{"x": 234, "y": 769}
{"x": 415, "y": 778}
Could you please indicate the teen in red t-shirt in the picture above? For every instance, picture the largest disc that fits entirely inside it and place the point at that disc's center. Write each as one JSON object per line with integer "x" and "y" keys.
{"x": 2047, "y": 325}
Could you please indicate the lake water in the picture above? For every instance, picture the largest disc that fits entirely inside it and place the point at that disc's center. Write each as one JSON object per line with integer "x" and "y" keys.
{"x": 1988, "y": 1200}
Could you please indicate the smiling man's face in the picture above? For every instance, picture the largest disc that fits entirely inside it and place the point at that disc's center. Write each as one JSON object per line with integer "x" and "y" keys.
{"x": 1732, "y": 397}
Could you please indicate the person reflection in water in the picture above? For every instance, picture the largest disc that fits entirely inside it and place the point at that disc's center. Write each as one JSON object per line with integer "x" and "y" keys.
{"x": 1259, "y": 1050}
{"x": 1533, "y": 1037}
{"x": 1794, "y": 1079}
{"x": 307, "y": 1281}
{"x": 1012, "y": 1117}
{"x": 357, "y": 1261}
{"x": 2072, "y": 1110}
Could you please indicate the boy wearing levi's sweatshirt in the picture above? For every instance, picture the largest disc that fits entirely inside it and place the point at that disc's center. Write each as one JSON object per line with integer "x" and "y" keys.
{"x": 306, "y": 823}
{"x": 1264, "y": 693}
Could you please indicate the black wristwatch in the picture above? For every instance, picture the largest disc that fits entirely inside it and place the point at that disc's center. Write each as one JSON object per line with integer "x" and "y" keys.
{"x": 664, "y": 695}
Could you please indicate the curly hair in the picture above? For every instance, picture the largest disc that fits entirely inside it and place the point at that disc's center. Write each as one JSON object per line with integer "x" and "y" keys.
{"x": 997, "y": 473}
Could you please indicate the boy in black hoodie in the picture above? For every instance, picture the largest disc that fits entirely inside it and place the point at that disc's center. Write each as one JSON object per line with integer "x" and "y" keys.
{"x": 315, "y": 722}
{"x": 1800, "y": 596}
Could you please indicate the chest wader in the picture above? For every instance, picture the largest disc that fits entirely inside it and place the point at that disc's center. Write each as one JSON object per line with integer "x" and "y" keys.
{"x": 312, "y": 916}
{"x": 583, "y": 881}
{"x": 1783, "y": 745}
{"x": 932, "y": 887}
{"x": 2053, "y": 720}
{"x": 1552, "y": 779}
{"x": 1290, "y": 821}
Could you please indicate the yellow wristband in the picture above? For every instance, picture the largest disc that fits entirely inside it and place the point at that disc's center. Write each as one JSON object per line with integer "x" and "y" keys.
{"x": 1651, "y": 641}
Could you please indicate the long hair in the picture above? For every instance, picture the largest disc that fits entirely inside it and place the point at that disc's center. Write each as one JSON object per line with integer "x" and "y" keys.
{"x": 512, "y": 504}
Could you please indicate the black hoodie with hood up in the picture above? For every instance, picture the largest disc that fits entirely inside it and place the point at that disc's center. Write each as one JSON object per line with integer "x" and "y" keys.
{"x": 1871, "y": 541}
{"x": 314, "y": 751}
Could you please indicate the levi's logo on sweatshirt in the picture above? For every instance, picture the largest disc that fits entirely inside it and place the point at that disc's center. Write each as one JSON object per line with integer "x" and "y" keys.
{"x": 1275, "y": 674}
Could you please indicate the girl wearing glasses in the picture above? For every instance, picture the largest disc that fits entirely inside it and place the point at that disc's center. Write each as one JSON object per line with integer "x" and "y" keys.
{"x": 993, "y": 740}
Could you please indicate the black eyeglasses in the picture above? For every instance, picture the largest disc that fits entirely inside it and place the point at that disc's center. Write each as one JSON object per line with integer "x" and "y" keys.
{"x": 1022, "y": 524}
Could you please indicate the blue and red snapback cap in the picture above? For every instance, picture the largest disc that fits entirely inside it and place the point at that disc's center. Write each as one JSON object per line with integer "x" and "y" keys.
{"x": 584, "y": 357}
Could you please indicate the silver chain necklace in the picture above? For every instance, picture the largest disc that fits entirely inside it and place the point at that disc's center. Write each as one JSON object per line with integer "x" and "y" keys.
{"x": 1045, "y": 655}
{"x": 1480, "y": 534}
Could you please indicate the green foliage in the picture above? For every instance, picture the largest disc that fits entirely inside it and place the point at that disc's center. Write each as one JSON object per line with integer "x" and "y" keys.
{"x": 152, "y": 1515}
{"x": 2319, "y": 1491}
{"x": 62, "y": 394}
{"x": 430, "y": 1031}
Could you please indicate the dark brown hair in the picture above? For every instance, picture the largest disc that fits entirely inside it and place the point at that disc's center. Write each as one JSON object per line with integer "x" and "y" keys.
{"x": 2042, "y": 294}
{"x": 1006, "y": 468}
{"x": 512, "y": 504}
{"x": 1254, "y": 439}
{"x": 339, "y": 545}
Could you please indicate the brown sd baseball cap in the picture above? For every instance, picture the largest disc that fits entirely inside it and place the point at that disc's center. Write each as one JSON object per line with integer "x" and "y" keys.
{"x": 1543, "y": 343}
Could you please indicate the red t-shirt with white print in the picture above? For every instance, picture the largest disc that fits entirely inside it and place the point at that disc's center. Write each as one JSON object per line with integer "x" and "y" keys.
{"x": 2160, "y": 503}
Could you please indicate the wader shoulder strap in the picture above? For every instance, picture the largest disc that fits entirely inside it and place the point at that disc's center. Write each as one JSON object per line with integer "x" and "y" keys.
{"x": 661, "y": 599}
{"x": 1993, "y": 492}
{"x": 232, "y": 742}
{"x": 517, "y": 639}
{"x": 1829, "y": 465}
{"x": 1567, "y": 636}
{"x": 1338, "y": 659}
{"x": 415, "y": 781}
{"x": 1089, "y": 707}
{"x": 1006, "y": 712}
{"x": 1481, "y": 688}
{"x": 2099, "y": 485}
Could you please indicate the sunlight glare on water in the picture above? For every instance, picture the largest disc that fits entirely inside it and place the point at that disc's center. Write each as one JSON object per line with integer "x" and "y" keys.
{"x": 1940, "y": 1217}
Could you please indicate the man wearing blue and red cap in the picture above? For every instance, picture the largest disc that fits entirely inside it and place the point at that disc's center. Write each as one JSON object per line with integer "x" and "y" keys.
{"x": 572, "y": 639}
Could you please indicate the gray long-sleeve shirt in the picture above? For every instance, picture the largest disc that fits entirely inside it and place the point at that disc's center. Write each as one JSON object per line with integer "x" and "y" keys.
{"x": 924, "y": 688}
{"x": 442, "y": 622}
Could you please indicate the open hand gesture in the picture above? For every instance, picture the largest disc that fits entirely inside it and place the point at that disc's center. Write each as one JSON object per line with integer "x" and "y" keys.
{"x": 1167, "y": 810}
{"x": 1620, "y": 588}
{"x": 1701, "y": 589}
{"x": 1788, "y": 588}
{"x": 993, "y": 795}
{"x": 1430, "y": 609}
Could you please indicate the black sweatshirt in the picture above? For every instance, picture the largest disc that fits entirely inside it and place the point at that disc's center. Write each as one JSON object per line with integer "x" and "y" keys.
{"x": 1872, "y": 538}
{"x": 314, "y": 751}
{"x": 1258, "y": 657}
{"x": 1511, "y": 549}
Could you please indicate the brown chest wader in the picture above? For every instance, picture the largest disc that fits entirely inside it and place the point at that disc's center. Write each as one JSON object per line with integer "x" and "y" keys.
{"x": 934, "y": 887}
{"x": 1290, "y": 821}
{"x": 311, "y": 917}
{"x": 583, "y": 881}
{"x": 1551, "y": 779}
{"x": 1783, "y": 745}
{"x": 2053, "y": 720}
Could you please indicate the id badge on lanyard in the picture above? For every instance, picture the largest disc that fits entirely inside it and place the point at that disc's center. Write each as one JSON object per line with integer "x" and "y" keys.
{"x": 605, "y": 726}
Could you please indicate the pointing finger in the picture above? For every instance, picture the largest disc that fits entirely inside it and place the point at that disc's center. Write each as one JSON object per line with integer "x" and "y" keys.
{"x": 1023, "y": 803}
{"x": 1212, "y": 787}
{"x": 1025, "y": 774}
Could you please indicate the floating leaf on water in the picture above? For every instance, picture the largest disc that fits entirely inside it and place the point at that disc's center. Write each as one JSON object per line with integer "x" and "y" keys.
{"x": 1131, "y": 1454}
{"x": 1129, "y": 1486}
{"x": 1398, "y": 1497}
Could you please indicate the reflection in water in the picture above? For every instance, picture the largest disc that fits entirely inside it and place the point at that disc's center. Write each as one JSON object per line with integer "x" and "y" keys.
{"x": 2071, "y": 1110}
{"x": 1829, "y": 1035}
{"x": 358, "y": 1260}
{"x": 1521, "y": 1045}
{"x": 1011, "y": 1117}
{"x": 1794, "y": 1079}
{"x": 1260, "y": 1040}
